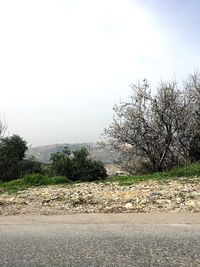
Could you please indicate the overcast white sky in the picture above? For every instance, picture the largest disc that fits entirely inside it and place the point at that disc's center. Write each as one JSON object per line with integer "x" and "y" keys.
{"x": 65, "y": 63}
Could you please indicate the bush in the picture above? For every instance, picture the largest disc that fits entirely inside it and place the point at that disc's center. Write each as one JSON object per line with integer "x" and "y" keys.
{"x": 94, "y": 171}
{"x": 61, "y": 164}
{"x": 30, "y": 166}
{"x": 77, "y": 166}
{"x": 34, "y": 179}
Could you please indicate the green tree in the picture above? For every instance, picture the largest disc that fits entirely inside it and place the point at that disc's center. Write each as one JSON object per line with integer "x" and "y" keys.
{"x": 61, "y": 163}
{"x": 31, "y": 165}
{"x": 77, "y": 165}
{"x": 86, "y": 168}
{"x": 12, "y": 153}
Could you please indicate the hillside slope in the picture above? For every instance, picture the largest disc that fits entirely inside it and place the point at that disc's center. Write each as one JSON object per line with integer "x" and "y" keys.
{"x": 43, "y": 153}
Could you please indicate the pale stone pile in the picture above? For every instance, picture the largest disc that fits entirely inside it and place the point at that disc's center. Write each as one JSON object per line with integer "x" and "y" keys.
{"x": 152, "y": 196}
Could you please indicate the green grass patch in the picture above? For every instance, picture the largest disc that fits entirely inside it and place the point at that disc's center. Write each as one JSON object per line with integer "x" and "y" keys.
{"x": 189, "y": 173}
{"x": 39, "y": 180}
{"x": 30, "y": 181}
{"x": 13, "y": 186}
{"x": 186, "y": 172}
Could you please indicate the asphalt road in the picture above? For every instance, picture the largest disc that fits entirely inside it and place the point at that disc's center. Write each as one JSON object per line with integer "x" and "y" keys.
{"x": 101, "y": 240}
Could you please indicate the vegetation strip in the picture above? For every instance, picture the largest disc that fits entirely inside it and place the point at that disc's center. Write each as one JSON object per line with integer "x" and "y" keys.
{"x": 176, "y": 190}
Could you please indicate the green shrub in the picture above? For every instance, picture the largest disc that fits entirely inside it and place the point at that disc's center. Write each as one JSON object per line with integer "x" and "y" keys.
{"x": 31, "y": 165}
{"x": 77, "y": 166}
{"x": 34, "y": 179}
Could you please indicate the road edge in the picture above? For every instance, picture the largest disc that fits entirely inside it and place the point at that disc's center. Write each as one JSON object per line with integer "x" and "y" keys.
{"x": 97, "y": 218}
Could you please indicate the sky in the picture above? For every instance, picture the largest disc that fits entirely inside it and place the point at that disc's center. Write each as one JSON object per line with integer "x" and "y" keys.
{"x": 65, "y": 63}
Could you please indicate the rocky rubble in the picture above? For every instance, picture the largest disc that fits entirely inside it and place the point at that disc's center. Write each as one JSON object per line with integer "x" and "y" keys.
{"x": 171, "y": 196}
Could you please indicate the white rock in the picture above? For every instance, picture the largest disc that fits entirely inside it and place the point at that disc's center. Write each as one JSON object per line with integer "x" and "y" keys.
{"x": 128, "y": 206}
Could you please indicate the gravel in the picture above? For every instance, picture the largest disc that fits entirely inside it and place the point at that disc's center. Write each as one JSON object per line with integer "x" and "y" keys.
{"x": 171, "y": 196}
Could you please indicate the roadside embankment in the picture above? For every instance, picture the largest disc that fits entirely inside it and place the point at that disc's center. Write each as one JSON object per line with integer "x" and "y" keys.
{"x": 179, "y": 195}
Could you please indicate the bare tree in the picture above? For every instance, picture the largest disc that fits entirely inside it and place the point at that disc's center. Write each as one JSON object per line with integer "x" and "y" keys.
{"x": 156, "y": 131}
{"x": 131, "y": 130}
{"x": 3, "y": 127}
{"x": 189, "y": 134}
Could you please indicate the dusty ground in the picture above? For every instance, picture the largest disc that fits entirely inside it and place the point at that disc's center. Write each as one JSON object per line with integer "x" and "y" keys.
{"x": 171, "y": 196}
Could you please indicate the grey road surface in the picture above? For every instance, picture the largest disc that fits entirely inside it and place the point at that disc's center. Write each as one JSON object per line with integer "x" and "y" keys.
{"x": 101, "y": 240}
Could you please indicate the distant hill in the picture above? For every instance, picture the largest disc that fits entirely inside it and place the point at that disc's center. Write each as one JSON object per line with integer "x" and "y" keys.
{"x": 43, "y": 153}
